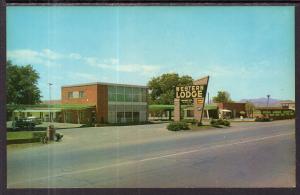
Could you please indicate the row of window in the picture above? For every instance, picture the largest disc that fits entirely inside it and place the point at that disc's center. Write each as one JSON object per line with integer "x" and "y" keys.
{"x": 76, "y": 94}
{"x": 126, "y": 90}
{"x": 125, "y": 117}
{"x": 127, "y": 97}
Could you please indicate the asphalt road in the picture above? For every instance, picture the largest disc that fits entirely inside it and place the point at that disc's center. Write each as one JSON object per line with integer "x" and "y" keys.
{"x": 148, "y": 156}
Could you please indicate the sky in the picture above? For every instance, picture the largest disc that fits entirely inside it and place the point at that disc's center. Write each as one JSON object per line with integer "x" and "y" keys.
{"x": 247, "y": 51}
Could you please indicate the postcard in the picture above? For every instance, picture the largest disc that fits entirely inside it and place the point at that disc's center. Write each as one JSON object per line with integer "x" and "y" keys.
{"x": 150, "y": 96}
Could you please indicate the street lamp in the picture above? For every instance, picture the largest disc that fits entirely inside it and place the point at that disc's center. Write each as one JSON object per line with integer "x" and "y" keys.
{"x": 268, "y": 96}
{"x": 49, "y": 101}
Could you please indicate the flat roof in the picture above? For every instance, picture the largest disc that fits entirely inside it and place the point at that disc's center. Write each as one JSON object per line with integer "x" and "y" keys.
{"x": 271, "y": 108}
{"x": 103, "y": 83}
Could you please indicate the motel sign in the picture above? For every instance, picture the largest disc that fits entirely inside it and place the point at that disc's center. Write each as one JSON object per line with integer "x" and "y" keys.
{"x": 194, "y": 93}
{"x": 190, "y": 91}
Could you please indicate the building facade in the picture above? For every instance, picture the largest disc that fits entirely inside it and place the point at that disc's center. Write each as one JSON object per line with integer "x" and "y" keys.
{"x": 114, "y": 103}
{"x": 276, "y": 113}
{"x": 288, "y": 104}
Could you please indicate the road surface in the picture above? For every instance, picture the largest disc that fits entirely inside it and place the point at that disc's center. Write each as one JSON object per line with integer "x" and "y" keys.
{"x": 247, "y": 154}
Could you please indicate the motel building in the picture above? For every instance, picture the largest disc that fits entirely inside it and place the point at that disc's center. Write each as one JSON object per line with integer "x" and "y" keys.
{"x": 210, "y": 111}
{"x": 93, "y": 103}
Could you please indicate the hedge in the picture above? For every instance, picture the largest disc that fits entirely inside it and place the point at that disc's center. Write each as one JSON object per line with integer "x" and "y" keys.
{"x": 218, "y": 122}
{"x": 177, "y": 126}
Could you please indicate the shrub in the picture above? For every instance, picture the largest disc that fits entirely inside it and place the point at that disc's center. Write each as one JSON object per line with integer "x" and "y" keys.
{"x": 262, "y": 119}
{"x": 226, "y": 123}
{"x": 218, "y": 122}
{"x": 192, "y": 121}
{"x": 213, "y": 122}
{"x": 177, "y": 126}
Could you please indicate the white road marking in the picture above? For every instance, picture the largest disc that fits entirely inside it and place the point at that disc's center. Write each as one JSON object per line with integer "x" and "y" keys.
{"x": 154, "y": 158}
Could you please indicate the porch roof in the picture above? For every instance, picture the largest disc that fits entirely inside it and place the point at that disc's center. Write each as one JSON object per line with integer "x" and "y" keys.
{"x": 154, "y": 107}
{"x": 50, "y": 107}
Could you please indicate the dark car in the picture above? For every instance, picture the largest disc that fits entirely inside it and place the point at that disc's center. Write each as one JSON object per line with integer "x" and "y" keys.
{"x": 23, "y": 123}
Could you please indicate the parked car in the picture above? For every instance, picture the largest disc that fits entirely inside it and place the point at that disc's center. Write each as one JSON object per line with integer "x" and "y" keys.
{"x": 23, "y": 123}
{"x": 34, "y": 119}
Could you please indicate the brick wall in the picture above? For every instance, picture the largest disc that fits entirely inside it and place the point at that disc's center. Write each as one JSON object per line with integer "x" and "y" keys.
{"x": 89, "y": 98}
{"x": 94, "y": 95}
{"x": 176, "y": 109}
{"x": 102, "y": 103}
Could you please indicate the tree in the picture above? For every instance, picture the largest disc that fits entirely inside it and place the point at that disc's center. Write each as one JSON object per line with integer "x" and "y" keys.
{"x": 21, "y": 85}
{"x": 249, "y": 109}
{"x": 162, "y": 88}
{"x": 222, "y": 97}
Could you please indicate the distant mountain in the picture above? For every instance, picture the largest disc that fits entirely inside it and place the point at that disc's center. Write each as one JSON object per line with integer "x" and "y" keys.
{"x": 263, "y": 101}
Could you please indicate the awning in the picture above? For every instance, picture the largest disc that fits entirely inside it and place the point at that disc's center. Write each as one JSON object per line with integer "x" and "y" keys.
{"x": 42, "y": 110}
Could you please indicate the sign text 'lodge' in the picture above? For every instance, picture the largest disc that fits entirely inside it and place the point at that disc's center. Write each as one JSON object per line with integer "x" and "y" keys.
{"x": 190, "y": 91}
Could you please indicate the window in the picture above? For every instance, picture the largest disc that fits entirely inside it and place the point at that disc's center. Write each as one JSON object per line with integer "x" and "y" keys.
{"x": 120, "y": 117}
{"x": 70, "y": 95}
{"x": 128, "y": 117}
{"x": 120, "y": 97}
{"x": 76, "y": 94}
{"x": 128, "y": 90}
{"x": 112, "y": 97}
{"x": 112, "y": 90}
{"x": 136, "y": 116}
{"x": 128, "y": 97}
{"x": 137, "y": 90}
{"x": 81, "y": 94}
{"x": 120, "y": 90}
{"x": 137, "y": 98}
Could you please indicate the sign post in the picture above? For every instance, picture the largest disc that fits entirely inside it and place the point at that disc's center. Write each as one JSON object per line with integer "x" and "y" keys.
{"x": 195, "y": 92}
{"x": 199, "y": 106}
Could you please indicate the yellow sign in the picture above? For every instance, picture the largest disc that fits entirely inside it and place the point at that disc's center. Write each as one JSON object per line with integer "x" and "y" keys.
{"x": 200, "y": 101}
{"x": 190, "y": 91}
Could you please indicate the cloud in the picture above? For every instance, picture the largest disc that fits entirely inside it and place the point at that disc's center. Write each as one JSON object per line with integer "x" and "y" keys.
{"x": 113, "y": 64}
{"x": 75, "y": 56}
{"x": 49, "y": 57}
{"x": 45, "y": 57}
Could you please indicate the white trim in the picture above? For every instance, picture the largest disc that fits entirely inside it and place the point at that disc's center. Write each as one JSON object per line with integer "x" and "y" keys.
{"x": 43, "y": 110}
{"x": 102, "y": 83}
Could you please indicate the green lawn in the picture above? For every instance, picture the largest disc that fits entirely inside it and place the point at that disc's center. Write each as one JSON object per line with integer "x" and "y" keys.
{"x": 20, "y": 135}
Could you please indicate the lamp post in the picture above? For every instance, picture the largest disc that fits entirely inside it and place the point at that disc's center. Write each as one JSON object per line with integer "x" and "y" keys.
{"x": 268, "y": 96}
{"x": 50, "y": 129}
{"x": 49, "y": 101}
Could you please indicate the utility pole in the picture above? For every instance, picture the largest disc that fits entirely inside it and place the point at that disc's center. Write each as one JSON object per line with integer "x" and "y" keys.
{"x": 207, "y": 97}
{"x": 268, "y": 96}
{"x": 49, "y": 101}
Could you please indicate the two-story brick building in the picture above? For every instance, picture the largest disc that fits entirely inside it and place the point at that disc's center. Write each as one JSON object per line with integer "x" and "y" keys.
{"x": 114, "y": 103}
